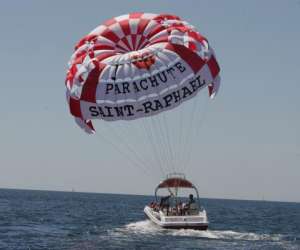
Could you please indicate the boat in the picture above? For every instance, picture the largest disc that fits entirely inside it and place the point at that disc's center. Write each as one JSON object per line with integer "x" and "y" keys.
{"x": 172, "y": 212}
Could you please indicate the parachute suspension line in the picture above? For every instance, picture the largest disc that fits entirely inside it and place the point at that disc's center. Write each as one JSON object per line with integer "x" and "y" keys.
{"x": 131, "y": 127}
{"x": 186, "y": 144}
{"x": 156, "y": 128}
{"x": 153, "y": 146}
{"x": 175, "y": 136}
{"x": 122, "y": 134}
{"x": 146, "y": 144}
{"x": 111, "y": 128}
{"x": 199, "y": 122}
{"x": 114, "y": 145}
{"x": 167, "y": 128}
{"x": 165, "y": 147}
{"x": 127, "y": 146}
{"x": 164, "y": 128}
{"x": 180, "y": 133}
{"x": 123, "y": 141}
{"x": 160, "y": 140}
{"x": 200, "y": 108}
{"x": 149, "y": 132}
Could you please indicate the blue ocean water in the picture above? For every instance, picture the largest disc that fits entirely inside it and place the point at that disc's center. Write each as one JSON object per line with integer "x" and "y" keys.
{"x": 72, "y": 220}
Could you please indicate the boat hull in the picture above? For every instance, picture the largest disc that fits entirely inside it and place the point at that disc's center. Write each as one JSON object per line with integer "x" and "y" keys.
{"x": 178, "y": 222}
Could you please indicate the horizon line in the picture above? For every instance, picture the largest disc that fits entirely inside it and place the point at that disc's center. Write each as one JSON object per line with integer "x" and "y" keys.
{"x": 94, "y": 192}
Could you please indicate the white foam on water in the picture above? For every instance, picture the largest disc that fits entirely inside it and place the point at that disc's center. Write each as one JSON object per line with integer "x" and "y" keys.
{"x": 147, "y": 227}
{"x": 144, "y": 226}
{"x": 226, "y": 234}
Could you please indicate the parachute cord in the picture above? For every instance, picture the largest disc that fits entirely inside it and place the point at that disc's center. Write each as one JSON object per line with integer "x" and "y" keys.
{"x": 157, "y": 153}
{"x": 196, "y": 132}
{"x": 168, "y": 141}
{"x": 188, "y": 143}
{"x": 187, "y": 139}
{"x": 164, "y": 131}
{"x": 179, "y": 133}
{"x": 129, "y": 149}
{"x": 165, "y": 148}
{"x": 146, "y": 144}
{"x": 158, "y": 136}
{"x": 184, "y": 114}
{"x": 148, "y": 133}
{"x": 135, "y": 123}
{"x": 127, "y": 145}
{"x": 123, "y": 137}
{"x": 135, "y": 163}
{"x": 161, "y": 140}
{"x": 165, "y": 140}
{"x": 201, "y": 108}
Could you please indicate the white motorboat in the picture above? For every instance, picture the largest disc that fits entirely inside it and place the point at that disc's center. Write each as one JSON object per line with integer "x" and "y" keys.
{"x": 171, "y": 212}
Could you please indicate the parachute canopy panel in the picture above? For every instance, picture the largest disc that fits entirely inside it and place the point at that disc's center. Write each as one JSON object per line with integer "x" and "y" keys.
{"x": 138, "y": 65}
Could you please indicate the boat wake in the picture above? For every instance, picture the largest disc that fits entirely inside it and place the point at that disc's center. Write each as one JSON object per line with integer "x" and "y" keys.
{"x": 147, "y": 227}
{"x": 144, "y": 226}
{"x": 227, "y": 234}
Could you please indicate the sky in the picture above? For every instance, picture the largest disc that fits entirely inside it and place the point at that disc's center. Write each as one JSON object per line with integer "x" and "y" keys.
{"x": 250, "y": 140}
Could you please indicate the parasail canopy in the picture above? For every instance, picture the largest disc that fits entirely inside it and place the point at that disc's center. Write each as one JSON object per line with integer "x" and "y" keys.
{"x": 138, "y": 65}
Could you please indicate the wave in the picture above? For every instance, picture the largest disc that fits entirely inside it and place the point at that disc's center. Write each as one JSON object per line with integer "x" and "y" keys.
{"x": 147, "y": 227}
{"x": 144, "y": 226}
{"x": 226, "y": 234}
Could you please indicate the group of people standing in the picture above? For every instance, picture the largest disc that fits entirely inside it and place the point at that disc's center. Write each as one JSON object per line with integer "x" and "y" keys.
{"x": 180, "y": 208}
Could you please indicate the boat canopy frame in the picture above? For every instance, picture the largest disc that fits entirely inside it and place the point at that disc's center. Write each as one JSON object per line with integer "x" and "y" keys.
{"x": 176, "y": 180}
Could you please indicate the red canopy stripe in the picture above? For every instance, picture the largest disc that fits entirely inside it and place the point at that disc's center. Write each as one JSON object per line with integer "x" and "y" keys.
{"x": 175, "y": 182}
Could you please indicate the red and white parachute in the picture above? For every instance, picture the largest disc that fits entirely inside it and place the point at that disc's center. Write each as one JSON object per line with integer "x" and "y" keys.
{"x": 138, "y": 65}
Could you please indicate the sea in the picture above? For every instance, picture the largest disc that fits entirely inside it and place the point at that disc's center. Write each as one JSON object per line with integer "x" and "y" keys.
{"x": 73, "y": 220}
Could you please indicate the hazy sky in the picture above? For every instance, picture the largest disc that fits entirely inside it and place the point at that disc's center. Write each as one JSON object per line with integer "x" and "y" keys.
{"x": 250, "y": 143}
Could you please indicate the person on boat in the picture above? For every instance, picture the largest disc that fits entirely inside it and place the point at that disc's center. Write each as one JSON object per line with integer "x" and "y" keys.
{"x": 191, "y": 197}
{"x": 192, "y": 207}
{"x": 164, "y": 203}
{"x": 180, "y": 208}
{"x": 152, "y": 204}
{"x": 164, "y": 200}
